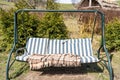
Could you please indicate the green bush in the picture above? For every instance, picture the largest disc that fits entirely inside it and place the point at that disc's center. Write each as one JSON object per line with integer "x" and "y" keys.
{"x": 113, "y": 35}
{"x": 27, "y": 25}
{"x": 52, "y": 24}
{"x": 7, "y": 27}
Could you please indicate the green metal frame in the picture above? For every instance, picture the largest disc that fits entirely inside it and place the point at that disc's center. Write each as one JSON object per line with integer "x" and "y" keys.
{"x": 107, "y": 64}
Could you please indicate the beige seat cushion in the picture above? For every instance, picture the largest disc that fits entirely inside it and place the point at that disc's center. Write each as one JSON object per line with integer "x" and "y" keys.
{"x": 38, "y": 61}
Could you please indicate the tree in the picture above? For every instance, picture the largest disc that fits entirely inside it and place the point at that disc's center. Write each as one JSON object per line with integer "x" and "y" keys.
{"x": 27, "y": 25}
{"x": 52, "y": 24}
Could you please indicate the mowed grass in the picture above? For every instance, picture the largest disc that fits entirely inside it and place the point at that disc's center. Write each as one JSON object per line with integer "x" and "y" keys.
{"x": 116, "y": 64}
{"x": 66, "y": 7}
{"x": 17, "y": 68}
{"x": 3, "y": 59}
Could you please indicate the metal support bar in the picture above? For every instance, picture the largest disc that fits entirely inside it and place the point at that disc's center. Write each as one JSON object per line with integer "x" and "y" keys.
{"x": 8, "y": 62}
{"x": 94, "y": 23}
{"x": 109, "y": 66}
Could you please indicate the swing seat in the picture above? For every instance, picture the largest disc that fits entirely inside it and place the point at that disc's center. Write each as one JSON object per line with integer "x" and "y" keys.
{"x": 81, "y": 47}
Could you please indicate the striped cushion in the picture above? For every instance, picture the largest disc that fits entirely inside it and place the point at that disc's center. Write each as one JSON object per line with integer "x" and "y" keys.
{"x": 56, "y": 46}
{"x": 81, "y": 47}
{"x": 36, "y": 45}
{"x": 89, "y": 59}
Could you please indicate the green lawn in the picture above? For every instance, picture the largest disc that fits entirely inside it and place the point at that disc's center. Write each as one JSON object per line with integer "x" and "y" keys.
{"x": 66, "y": 7}
{"x": 15, "y": 70}
{"x": 3, "y": 59}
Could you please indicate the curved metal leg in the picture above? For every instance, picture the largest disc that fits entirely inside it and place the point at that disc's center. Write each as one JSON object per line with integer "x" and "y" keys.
{"x": 109, "y": 66}
{"x": 8, "y": 63}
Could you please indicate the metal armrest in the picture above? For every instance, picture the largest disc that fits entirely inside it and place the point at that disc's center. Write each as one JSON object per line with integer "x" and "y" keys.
{"x": 21, "y": 51}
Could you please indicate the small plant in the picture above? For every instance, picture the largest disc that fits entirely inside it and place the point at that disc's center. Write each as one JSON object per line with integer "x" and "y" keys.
{"x": 113, "y": 35}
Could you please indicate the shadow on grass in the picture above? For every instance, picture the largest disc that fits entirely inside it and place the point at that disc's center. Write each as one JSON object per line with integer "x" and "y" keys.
{"x": 83, "y": 69}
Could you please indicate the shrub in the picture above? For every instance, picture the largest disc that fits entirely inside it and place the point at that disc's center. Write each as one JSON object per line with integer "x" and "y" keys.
{"x": 52, "y": 24}
{"x": 113, "y": 35}
{"x": 7, "y": 28}
{"x": 27, "y": 25}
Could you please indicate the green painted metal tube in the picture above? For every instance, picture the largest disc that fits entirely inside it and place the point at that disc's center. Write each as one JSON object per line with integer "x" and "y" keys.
{"x": 8, "y": 62}
{"x": 109, "y": 66}
{"x": 103, "y": 43}
{"x": 15, "y": 28}
{"x": 14, "y": 44}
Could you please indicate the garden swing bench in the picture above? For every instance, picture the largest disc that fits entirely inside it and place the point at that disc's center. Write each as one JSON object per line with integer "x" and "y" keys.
{"x": 80, "y": 46}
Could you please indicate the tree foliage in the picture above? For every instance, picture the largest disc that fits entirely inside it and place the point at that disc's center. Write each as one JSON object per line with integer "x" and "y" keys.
{"x": 113, "y": 35}
{"x": 27, "y": 25}
{"x": 52, "y": 24}
{"x": 51, "y": 5}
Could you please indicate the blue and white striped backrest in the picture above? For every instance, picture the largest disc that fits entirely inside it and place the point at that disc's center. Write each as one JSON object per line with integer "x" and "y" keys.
{"x": 36, "y": 45}
{"x": 82, "y": 46}
{"x": 55, "y": 46}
